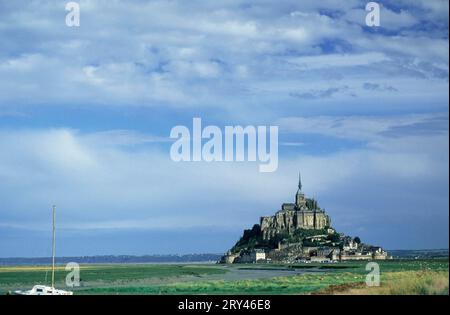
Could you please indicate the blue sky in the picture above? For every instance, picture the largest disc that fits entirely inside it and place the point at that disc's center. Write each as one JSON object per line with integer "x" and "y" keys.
{"x": 86, "y": 113}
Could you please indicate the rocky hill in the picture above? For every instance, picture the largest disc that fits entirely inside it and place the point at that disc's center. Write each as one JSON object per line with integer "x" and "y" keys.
{"x": 300, "y": 231}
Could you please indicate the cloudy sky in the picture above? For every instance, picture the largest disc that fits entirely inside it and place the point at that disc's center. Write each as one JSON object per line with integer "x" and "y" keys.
{"x": 86, "y": 114}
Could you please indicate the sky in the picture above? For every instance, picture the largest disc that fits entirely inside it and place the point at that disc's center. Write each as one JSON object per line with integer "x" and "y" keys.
{"x": 86, "y": 114}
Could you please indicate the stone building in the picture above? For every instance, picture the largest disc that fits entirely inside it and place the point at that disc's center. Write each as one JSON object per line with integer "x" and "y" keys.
{"x": 349, "y": 244}
{"x": 305, "y": 213}
{"x": 253, "y": 256}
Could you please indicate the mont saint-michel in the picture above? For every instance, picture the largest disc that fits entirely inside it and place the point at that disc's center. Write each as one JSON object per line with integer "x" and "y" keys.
{"x": 299, "y": 232}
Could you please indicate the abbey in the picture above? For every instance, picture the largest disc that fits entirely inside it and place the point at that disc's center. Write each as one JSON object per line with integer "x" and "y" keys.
{"x": 305, "y": 213}
{"x": 299, "y": 232}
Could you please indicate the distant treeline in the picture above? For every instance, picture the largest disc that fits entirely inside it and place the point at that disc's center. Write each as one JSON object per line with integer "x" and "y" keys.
{"x": 111, "y": 259}
{"x": 419, "y": 253}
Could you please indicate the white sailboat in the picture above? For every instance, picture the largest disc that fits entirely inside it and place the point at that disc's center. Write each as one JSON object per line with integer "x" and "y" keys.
{"x": 43, "y": 289}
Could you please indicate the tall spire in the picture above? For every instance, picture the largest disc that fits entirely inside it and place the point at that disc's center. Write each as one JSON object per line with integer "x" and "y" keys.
{"x": 300, "y": 200}
{"x": 299, "y": 181}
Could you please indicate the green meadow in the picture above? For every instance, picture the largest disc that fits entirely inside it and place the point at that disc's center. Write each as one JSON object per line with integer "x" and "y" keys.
{"x": 429, "y": 276}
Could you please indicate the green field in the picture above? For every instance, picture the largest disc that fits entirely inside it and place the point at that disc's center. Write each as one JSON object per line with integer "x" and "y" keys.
{"x": 397, "y": 277}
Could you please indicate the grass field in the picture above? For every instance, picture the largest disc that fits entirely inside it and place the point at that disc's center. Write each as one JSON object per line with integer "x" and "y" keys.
{"x": 397, "y": 277}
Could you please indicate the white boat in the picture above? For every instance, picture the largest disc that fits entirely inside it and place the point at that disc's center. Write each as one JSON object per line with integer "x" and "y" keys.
{"x": 43, "y": 289}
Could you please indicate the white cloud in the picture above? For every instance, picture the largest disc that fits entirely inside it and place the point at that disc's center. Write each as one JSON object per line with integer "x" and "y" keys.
{"x": 183, "y": 55}
{"x": 360, "y": 127}
{"x": 99, "y": 183}
{"x": 338, "y": 60}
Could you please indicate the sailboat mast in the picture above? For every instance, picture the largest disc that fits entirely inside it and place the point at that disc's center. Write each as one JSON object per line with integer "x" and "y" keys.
{"x": 53, "y": 249}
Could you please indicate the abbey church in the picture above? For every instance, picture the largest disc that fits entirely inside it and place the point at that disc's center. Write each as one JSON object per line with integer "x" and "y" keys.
{"x": 305, "y": 213}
